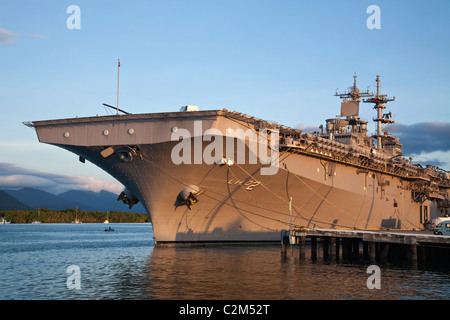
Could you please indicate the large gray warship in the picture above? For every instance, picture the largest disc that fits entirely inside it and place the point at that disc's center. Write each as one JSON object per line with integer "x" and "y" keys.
{"x": 339, "y": 177}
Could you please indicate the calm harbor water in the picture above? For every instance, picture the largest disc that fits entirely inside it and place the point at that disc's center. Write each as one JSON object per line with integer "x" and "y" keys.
{"x": 125, "y": 264}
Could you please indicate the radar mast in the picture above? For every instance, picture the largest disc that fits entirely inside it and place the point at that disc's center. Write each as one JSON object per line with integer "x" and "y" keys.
{"x": 354, "y": 94}
{"x": 350, "y": 108}
{"x": 380, "y": 100}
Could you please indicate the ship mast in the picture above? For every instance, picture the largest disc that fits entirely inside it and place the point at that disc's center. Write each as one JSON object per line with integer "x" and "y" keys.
{"x": 354, "y": 94}
{"x": 350, "y": 107}
{"x": 380, "y": 100}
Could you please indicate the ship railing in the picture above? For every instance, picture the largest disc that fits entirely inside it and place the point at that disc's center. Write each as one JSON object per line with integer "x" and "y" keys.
{"x": 291, "y": 143}
{"x": 398, "y": 167}
{"x": 342, "y": 152}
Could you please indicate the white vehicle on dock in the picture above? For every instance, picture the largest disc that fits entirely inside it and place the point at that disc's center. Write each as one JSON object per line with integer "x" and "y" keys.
{"x": 442, "y": 228}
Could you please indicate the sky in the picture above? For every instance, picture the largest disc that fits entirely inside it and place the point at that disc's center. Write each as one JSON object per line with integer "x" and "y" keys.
{"x": 277, "y": 60}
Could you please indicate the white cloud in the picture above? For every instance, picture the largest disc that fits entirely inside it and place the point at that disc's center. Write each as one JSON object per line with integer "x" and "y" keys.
{"x": 20, "y": 180}
{"x": 436, "y": 158}
{"x": 308, "y": 128}
{"x": 8, "y": 37}
{"x": 12, "y": 176}
{"x": 38, "y": 36}
{"x": 97, "y": 185}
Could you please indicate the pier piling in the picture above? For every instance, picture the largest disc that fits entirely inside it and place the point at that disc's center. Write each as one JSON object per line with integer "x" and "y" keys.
{"x": 325, "y": 248}
{"x": 302, "y": 247}
{"x": 284, "y": 241}
{"x": 314, "y": 248}
{"x": 412, "y": 246}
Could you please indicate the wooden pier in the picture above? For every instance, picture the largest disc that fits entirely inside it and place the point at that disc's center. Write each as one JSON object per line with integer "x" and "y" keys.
{"x": 408, "y": 246}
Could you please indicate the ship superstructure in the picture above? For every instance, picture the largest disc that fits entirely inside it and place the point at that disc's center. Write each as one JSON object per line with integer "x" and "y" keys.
{"x": 339, "y": 177}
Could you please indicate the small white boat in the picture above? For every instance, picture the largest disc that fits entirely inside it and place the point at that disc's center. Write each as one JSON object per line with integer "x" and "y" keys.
{"x": 107, "y": 216}
{"x": 37, "y": 221}
{"x": 4, "y": 221}
{"x": 77, "y": 221}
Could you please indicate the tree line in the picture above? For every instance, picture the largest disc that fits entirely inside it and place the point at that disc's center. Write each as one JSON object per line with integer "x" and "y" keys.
{"x": 70, "y": 215}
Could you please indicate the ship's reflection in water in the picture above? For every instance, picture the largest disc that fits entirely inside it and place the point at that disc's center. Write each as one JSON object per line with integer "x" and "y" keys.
{"x": 263, "y": 272}
{"x": 125, "y": 264}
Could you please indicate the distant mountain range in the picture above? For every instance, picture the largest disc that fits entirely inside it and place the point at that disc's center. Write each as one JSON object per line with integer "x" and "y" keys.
{"x": 8, "y": 202}
{"x": 29, "y": 198}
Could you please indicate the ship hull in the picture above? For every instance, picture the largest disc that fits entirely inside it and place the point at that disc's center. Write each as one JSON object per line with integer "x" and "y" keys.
{"x": 236, "y": 202}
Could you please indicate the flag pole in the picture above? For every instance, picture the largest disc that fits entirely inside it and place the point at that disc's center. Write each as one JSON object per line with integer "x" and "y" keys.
{"x": 118, "y": 74}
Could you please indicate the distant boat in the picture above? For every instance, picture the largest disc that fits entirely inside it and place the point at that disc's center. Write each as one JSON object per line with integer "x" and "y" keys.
{"x": 4, "y": 221}
{"x": 37, "y": 221}
{"x": 109, "y": 229}
{"x": 76, "y": 218}
{"x": 107, "y": 216}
